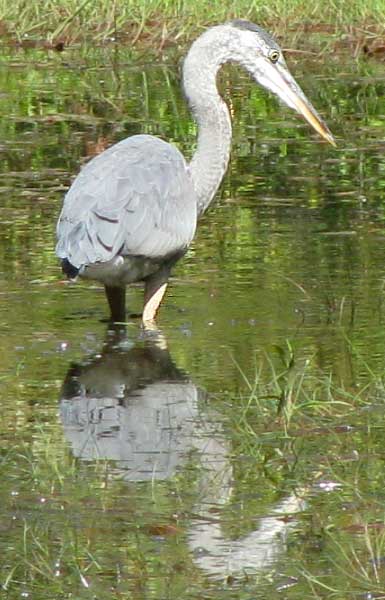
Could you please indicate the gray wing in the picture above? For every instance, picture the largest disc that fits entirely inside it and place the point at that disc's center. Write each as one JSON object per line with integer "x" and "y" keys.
{"x": 136, "y": 198}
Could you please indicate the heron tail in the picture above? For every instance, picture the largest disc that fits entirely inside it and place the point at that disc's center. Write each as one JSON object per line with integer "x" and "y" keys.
{"x": 68, "y": 269}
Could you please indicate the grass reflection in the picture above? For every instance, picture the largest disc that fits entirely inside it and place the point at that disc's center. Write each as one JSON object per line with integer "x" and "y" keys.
{"x": 291, "y": 250}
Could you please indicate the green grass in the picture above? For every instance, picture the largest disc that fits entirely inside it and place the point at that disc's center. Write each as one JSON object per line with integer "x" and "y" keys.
{"x": 319, "y": 435}
{"x": 73, "y": 528}
{"x": 288, "y": 395}
{"x": 358, "y": 565}
{"x": 164, "y": 21}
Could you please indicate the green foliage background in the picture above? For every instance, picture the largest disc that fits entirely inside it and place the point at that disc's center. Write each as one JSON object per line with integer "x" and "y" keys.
{"x": 160, "y": 21}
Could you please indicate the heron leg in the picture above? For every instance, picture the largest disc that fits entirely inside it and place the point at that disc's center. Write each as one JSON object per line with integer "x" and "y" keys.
{"x": 154, "y": 290}
{"x": 116, "y": 297}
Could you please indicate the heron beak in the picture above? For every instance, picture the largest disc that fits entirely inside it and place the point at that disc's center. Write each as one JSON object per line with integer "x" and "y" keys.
{"x": 277, "y": 78}
{"x": 306, "y": 109}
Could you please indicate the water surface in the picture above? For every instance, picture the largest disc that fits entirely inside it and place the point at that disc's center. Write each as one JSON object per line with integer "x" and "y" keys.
{"x": 237, "y": 452}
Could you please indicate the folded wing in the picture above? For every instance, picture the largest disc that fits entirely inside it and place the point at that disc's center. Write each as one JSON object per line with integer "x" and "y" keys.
{"x": 134, "y": 199}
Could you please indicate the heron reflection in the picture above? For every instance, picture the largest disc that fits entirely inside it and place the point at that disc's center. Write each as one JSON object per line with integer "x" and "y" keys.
{"x": 132, "y": 405}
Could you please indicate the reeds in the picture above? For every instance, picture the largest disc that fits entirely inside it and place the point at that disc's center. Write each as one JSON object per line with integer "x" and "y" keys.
{"x": 165, "y": 21}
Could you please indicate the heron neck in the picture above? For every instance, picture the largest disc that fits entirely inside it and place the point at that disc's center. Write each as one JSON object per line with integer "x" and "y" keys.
{"x": 209, "y": 162}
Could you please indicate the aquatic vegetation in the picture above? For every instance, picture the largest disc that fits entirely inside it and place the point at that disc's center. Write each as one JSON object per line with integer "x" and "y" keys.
{"x": 275, "y": 337}
{"x": 157, "y": 23}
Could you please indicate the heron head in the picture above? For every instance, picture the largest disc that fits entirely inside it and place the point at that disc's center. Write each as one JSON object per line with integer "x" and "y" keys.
{"x": 262, "y": 57}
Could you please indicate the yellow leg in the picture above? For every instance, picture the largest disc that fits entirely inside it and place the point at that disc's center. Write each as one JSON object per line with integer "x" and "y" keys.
{"x": 153, "y": 294}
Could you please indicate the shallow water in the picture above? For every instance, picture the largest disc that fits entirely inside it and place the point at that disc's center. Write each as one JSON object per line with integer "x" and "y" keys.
{"x": 238, "y": 451}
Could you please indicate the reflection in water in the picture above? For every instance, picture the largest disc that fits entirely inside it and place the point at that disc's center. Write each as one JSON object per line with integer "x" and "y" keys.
{"x": 258, "y": 550}
{"x": 132, "y": 405}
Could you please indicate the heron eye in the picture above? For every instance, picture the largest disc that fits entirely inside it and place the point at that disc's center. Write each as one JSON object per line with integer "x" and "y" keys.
{"x": 274, "y": 56}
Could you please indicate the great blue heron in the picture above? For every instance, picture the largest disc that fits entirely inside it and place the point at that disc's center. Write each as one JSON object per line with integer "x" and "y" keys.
{"x": 132, "y": 211}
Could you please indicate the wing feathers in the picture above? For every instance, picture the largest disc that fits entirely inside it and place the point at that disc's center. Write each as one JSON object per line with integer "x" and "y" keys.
{"x": 105, "y": 218}
{"x": 136, "y": 198}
